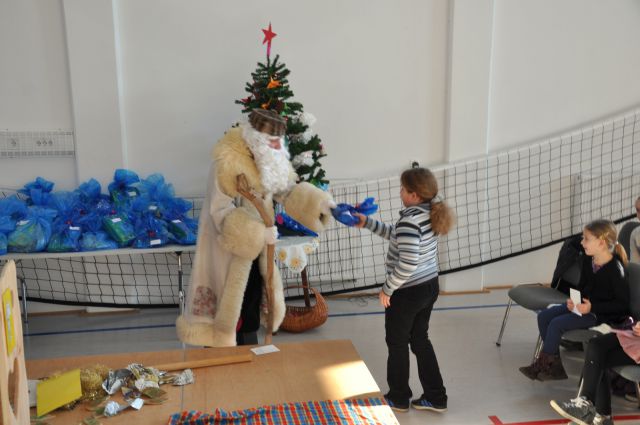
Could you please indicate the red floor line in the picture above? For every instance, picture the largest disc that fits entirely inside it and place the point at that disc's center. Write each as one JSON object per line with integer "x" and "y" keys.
{"x": 545, "y": 422}
{"x": 625, "y": 417}
{"x": 496, "y": 421}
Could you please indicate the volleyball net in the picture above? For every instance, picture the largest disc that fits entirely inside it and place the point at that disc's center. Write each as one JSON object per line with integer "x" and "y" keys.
{"x": 506, "y": 204}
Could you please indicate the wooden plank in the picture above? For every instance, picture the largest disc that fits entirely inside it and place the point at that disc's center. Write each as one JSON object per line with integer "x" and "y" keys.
{"x": 214, "y": 361}
{"x": 14, "y": 394}
{"x": 315, "y": 370}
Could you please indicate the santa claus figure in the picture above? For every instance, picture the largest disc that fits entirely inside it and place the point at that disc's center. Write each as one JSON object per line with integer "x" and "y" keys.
{"x": 232, "y": 234}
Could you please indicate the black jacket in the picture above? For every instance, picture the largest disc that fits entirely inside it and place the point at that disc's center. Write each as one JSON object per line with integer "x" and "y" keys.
{"x": 607, "y": 290}
{"x": 569, "y": 265}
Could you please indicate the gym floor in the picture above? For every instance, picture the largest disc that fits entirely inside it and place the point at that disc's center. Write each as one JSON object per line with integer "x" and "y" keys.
{"x": 483, "y": 382}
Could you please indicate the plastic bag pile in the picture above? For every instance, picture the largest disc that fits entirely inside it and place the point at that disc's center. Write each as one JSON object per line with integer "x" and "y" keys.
{"x": 138, "y": 213}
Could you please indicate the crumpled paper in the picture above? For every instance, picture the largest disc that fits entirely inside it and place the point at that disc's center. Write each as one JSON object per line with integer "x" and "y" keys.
{"x": 112, "y": 408}
{"x": 184, "y": 378}
{"x": 115, "y": 380}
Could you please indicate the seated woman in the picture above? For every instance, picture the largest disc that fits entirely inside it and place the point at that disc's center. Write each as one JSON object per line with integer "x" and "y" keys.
{"x": 593, "y": 405}
{"x": 605, "y": 299}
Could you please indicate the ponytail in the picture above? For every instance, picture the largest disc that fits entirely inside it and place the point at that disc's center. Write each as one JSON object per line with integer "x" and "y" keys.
{"x": 442, "y": 217}
{"x": 618, "y": 249}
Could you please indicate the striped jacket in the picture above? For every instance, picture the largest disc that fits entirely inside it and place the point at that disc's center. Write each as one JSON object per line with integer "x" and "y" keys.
{"x": 413, "y": 248}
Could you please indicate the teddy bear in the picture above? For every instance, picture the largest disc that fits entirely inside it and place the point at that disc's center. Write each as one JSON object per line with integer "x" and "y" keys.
{"x": 232, "y": 233}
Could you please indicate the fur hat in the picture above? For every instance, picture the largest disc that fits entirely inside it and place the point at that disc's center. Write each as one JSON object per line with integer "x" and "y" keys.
{"x": 267, "y": 121}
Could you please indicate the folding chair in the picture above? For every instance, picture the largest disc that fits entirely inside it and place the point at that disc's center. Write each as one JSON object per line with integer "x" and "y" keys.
{"x": 624, "y": 235}
{"x": 536, "y": 297}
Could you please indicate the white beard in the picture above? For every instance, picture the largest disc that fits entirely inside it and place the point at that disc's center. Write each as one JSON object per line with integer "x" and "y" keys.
{"x": 273, "y": 164}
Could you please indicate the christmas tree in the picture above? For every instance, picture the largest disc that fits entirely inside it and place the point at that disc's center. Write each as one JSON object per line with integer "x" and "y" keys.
{"x": 269, "y": 89}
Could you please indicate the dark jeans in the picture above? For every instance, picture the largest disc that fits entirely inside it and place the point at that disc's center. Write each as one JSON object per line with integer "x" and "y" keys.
{"x": 554, "y": 321}
{"x": 603, "y": 352}
{"x": 407, "y": 324}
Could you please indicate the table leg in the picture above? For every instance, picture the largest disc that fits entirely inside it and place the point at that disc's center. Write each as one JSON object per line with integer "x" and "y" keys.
{"x": 23, "y": 288}
{"x": 180, "y": 283}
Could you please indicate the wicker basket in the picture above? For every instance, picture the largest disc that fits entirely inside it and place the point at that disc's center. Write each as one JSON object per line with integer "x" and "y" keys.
{"x": 303, "y": 318}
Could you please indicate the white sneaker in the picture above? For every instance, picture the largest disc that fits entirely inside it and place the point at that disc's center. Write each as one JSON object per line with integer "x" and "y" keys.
{"x": 579, "y": 410}
{"x": 602, "y": 420}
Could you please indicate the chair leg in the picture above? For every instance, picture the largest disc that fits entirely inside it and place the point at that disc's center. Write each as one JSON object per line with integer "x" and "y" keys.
{"x": 538, "y": 349}
{"x": 582, "y": 383}
{"x": 504, "y": 322}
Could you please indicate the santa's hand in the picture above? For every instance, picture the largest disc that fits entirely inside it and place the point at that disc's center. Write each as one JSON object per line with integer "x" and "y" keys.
{"x": 270, "y": 235}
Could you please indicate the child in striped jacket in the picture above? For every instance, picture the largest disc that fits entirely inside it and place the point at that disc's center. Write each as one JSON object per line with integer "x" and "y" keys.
{"x": 411, "y": 289}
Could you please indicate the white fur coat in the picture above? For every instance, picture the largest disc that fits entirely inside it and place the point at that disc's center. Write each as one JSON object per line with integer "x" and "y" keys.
{"x": 230, "y": 237}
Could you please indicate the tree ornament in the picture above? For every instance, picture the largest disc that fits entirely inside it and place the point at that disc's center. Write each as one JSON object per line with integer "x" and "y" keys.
{"x": 273, "y": 83}
{"x": 268, "y": 36}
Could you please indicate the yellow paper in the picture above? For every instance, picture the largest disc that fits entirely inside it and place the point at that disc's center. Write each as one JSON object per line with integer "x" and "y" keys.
{"x": 7, "y": 315}
{"x": 58, "y": 391}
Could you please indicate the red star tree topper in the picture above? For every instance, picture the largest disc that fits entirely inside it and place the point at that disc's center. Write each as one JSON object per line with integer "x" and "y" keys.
{"x": 268, "y": 36}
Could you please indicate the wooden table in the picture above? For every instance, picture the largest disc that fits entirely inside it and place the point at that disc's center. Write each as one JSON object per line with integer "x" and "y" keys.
{"x": 304, "y": 371}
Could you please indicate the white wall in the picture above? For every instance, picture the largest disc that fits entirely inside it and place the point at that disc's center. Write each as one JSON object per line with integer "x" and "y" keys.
{"x": 558, "y": 64}
{"x": 467, "y": 107}
{"x": 353, "y": 65}
{"x": 35, "y": 78}
{"x": 96, "y": 88}
{"x": 389, "y": 82}
{"x": 34, "y": 85}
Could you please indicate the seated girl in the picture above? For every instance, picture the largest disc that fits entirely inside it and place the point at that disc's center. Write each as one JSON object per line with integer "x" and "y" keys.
{"x": 605, "y": 299}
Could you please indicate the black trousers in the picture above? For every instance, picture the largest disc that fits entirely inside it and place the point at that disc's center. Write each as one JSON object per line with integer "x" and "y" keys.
{"x": 247, "y": 333}
{"x": 407, "y": 325}
{"x": 603, "y": 352}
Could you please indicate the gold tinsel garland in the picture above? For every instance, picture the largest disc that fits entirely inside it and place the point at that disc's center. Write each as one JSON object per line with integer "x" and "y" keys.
{"x": 91, "y": 379}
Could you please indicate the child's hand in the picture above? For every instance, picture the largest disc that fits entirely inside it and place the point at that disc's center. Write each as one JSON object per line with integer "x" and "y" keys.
{"x": 570, "y": 304}
{"x": 385, "y": 300}
{"x": 636, "y": 329}
{"x": 361, "y": 219}
{"x": 585, "y": 306}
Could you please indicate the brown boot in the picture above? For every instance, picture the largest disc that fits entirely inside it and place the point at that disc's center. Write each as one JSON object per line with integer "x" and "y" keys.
{"x": 552, "y": 369}
{"x": 534, "y": 368}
